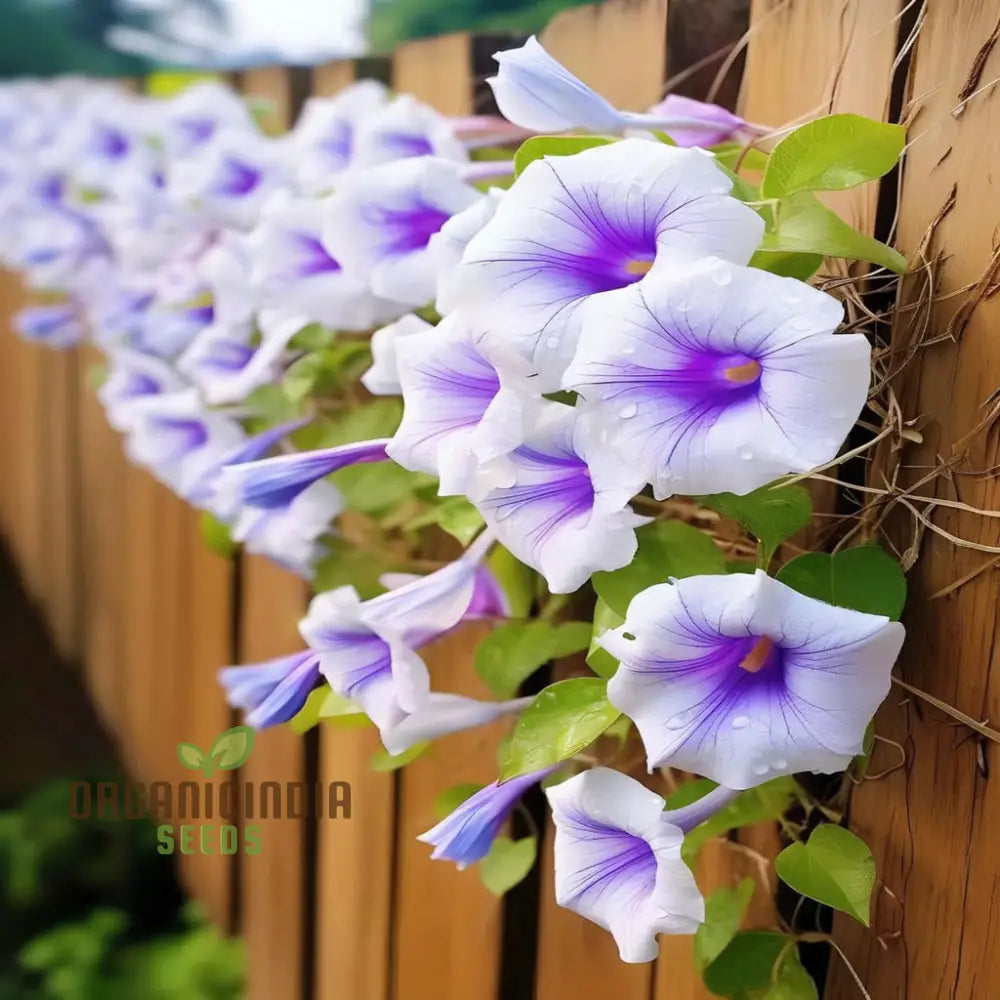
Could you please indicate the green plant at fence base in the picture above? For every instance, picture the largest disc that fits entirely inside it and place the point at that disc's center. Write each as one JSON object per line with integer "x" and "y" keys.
{"x": 631, "y": 359}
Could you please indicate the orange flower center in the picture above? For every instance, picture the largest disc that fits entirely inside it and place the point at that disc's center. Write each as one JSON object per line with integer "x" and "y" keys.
{"x": 757, "y": 657}
{"x": 638, "y": 266}
{"x": 743, "y": 374}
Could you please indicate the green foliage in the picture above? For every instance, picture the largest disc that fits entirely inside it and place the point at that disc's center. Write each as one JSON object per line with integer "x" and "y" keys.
{"x": 454, "y": 515}
{"x": 791, "y": 981}
{"x": 382, "y": 760}
{"x": 769, "y": 801}
{"x": 834, "y": 867}
{"x": 515, "y": 650}
{"x": 322, "y": 371}
{"x": 801, "y": 224}
{"x": 216, "y": 535}
{"x": 865, "y": 578}
{"x": 554, "y": 145}
{"x": 446, "y": 802}
{"x": 666, "y": 549}
{"x": 563, "y": 719}
{"x": 508, "y": 862}
{"x": 517, "y": 581}
{"x": 394, "y": 21}
{"x": 770, "y": 514}
{"x": 746, "y": 964}
{"x": 599, "y": 659}
{"x": 787, "y": 264}
{"x": 347, "y": 565}
{"x": 724, "y": 912}
{"x": 832, "y": 153}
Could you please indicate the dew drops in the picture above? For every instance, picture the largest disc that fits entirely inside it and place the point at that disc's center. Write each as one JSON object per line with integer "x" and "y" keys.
{"x": 746, "y": 453}
{"x": 740, "y": 721}
{"x": 628, "y": 349}
{"x": 722, "y": 277}
{"x": 628, "y": 411}
{"x": 779, "y": 764}
{"x": 552, "y": 342}
{"x": 720, "y": 189}
{"x": 761, "y": 768}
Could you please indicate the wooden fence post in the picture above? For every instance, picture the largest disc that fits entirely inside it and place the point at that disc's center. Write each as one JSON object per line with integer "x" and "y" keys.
{"x": 931, "y": 818}
{"x": 354, "y": 862}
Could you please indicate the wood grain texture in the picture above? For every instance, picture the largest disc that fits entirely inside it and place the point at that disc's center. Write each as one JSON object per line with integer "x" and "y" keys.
{"x": 273, "y": 893}
{"x": 332, "y": 77}
{"x": 930, "y": 823}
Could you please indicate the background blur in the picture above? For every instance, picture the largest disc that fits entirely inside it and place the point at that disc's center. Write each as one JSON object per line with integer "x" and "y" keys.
{"x": 110, "y": 37}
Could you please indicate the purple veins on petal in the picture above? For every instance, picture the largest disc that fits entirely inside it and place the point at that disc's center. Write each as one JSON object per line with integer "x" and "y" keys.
{"x": 271, "y": 692}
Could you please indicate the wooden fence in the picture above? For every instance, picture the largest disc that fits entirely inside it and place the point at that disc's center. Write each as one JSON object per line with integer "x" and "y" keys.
{"x": 355, "y": 909}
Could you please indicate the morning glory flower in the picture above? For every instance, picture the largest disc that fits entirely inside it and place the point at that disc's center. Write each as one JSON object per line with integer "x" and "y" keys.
{"x": 380, "y": 222}
{"x": 273, "y": 483}
{"x": 179, "y": 447}
{"x": 557, "y": 517}
{"x": 575, "y": 227}
{"x": 461, "y": 418}
{"x": 382, "y": 379}
{"x": 225, "y": 268}
{"x": 229, "y": 178}
{"x": 227, "y": 363}
{"x": 55, "y": 325}
{"x": 707, "y": 124}
{"x": 192, "y": 118}
{"x": 322, "y": 144}
{"x": 447, "y": 246}
{"x": 272, "y": 692}
{"x": 618, "y": 861}
{"x": 715, "y": 378}
{"x": 368, "y": 648}
{"x": 295, "y": 275}
{"x": 405, "y": 128}
{"x": 742, "y": 679}
{"x": 535, "y": 91}
{"x": 135, "y": 381}
{"x": 443, "y": 714}
{"x": 466, "y": 835}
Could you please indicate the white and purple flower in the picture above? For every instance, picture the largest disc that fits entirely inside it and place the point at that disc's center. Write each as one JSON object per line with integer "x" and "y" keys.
{"x": 272, "y": 692}
{"x": 714, "y": 377}
{"x": 742, "y": 679}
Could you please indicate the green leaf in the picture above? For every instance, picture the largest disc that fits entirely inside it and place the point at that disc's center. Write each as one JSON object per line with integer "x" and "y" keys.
{"x": 382, "y": 760}
{"x": 865, "y": 578}
{"x": 724, "y": 912}
{"x": 319, "y": 373}
{"x": 232, "y": 748}
{"x": 378, "y": 419}
{"x": 508, "y": 862}
{"x": 834, "y": 867}
{"x": 216, "y": 535}
{"x": 666, "y": 549}
{"x": 769, "y": 801}
{"x": 376, "y": 487}
{"x": 313, "y": 337}
{"x": 562, "y": 720}
{"x": 599, "y": 659}
{"x": 832, "y": 153}
{"x": 514, "y": 651}
{"x": 308, "y": 716}
{"x": 770, "y": 515}
{"x": 97, "y": 375}
{"x": 787, "y": 264}
{"x": 351, "y": 565}
{"x": 554, "y": 145}
{"x": 792, "y": 981}
{"x": 745, "y": 964}
{"x": 731, "y": 153}
{"x": 451, "y": 798}
{"x": 191, "y": 756}
{"x": 452, "y": 514}
{"x": 516, "y": 580}
{"x": 804, "y": 225}
{"x": 335, "y": 706}
{"x": 270, "y": 405}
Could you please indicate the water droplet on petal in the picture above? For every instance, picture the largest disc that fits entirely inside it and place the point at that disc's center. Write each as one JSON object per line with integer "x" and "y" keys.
{"x": 779, "y": 763}
{"x": 761, "y": 768}
{"x": 746, "y": 453}
{"x": 722, "y": 277}
{"x": 740, "y": 721}
{"x": 720, "y": 189}
{"x": 628, "y": 411}
{"x": 628, "y": 349}
{"x": 552, "y": 342}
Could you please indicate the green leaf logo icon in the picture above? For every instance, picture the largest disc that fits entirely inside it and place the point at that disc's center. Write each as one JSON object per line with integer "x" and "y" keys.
{"x": 192, "y": 757}
{"x": 232, "y": 748}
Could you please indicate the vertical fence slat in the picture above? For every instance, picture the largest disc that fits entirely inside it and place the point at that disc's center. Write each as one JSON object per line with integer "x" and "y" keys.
{"x": 273, "y": 601}
{"x": 931, "y": 819}
{"x": 354, "y": 861}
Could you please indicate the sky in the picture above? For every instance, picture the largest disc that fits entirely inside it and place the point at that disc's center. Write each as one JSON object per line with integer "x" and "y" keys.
{"x": 300, "y": 30}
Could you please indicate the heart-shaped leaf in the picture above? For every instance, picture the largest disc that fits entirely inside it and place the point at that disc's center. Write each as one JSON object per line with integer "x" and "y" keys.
{"x": 508, "y": 862}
